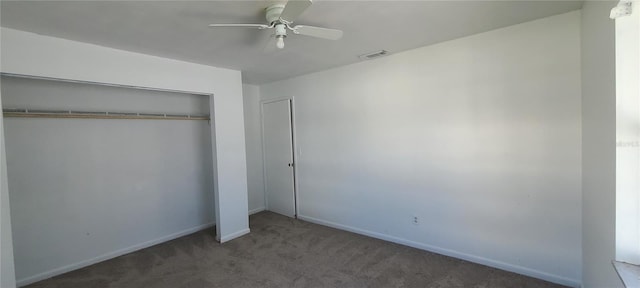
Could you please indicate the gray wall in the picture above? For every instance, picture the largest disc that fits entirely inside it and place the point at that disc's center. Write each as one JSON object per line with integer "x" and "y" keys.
{"x": 598, "y": 145}
{"x": 478, "y": 137}
{"x": 83, "y": 190}
{"x": 253, "y": 140}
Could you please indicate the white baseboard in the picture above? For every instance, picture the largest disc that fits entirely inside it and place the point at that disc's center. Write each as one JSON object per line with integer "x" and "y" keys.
{"x": 234, "y": 235}
{"x": 451, "y": 253}
{"x": 257, "y": 210}
{"x": 67, "y": 268}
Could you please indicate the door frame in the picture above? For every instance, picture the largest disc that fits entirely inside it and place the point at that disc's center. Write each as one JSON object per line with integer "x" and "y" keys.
{"x": 294, "y": 151}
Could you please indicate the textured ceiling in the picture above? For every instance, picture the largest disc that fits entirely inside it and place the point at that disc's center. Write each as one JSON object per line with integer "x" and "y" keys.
{"x": 178, "y": 29}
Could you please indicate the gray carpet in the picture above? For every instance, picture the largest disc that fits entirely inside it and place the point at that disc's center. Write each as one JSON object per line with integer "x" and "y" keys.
{"x": 283, "y": 252}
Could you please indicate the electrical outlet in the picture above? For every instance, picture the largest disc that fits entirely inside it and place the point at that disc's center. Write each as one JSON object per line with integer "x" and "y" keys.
{"x": 415, "y": 220}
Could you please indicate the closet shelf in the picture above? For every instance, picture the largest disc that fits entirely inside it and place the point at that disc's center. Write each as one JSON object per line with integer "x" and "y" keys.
{"x": 33, "y": 113}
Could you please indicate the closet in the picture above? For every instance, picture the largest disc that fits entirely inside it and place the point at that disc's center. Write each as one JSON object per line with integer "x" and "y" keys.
{"x": 96, "y": 171}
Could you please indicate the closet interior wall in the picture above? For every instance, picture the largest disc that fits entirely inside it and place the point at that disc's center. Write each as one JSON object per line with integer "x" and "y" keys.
{"x": 85, "y": 190}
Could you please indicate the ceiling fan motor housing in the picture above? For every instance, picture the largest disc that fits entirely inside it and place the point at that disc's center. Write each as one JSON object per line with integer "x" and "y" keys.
{"x": 273, "y": 13}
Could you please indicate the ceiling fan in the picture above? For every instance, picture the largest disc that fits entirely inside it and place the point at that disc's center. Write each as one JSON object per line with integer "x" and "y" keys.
{"x": 281, "y": 17}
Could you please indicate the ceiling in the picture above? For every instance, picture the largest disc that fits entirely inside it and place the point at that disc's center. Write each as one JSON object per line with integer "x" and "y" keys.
{"x": 178, "y": 29}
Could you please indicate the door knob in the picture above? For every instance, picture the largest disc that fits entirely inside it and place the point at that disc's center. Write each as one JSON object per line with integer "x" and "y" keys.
{"x": 290, "y": 164}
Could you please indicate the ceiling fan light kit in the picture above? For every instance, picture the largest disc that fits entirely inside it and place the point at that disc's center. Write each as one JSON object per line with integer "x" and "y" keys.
{"x": 281, "y": 33}
{"x": 281, "y": 16}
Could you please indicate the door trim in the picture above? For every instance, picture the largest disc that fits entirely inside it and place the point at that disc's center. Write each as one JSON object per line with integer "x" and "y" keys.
{"x": 294, "y": 145}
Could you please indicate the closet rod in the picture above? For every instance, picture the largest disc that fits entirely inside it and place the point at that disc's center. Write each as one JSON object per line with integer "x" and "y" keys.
{"x": 26, "y": 113}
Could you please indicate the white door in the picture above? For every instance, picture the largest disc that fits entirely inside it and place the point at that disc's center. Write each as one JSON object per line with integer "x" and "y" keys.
{"x": 278, "y": 157}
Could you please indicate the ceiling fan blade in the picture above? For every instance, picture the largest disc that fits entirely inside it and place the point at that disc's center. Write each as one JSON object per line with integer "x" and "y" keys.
{"x": 259, "y": 26}
{"x": 293, "y": 9}
{"x": 319, "y": 32}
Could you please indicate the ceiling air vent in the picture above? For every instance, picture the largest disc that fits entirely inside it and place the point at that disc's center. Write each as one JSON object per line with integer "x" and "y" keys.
{"x": 373, "y": 55}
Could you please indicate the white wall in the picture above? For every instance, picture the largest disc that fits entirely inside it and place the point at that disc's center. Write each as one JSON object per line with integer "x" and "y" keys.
{"x": 253, "y": 130}
{"x": 628, "y": 137}
{"x": 7, "y": 269}
{"x": 598, "y": 145}
{"x": 84, "y": 190}
{"x": 30, "y": 54}
{"x": 479, "y": 137}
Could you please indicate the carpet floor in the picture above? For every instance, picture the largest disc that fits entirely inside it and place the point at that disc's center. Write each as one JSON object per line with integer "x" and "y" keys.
{"x": 284, "y": 252}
